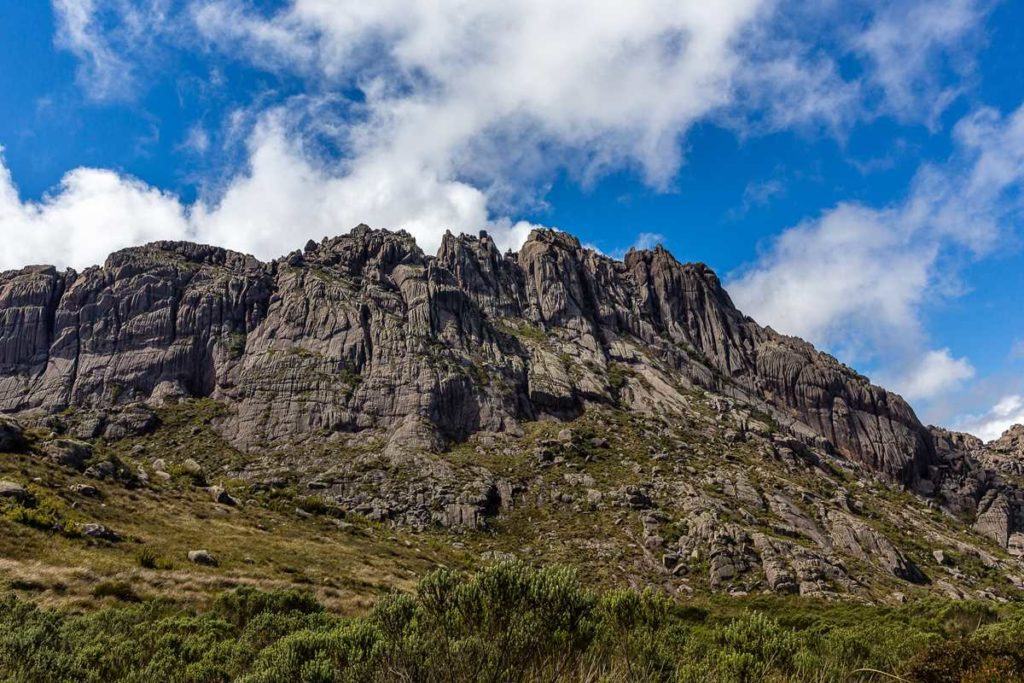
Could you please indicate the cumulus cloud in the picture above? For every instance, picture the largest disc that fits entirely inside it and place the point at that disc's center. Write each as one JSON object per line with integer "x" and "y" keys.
{"x": 934, "y": 373}
{"x": 91, "y": 213}
{"x": 595, "y": 84}
{"x": 284, "y": 198}
{"x": 465, "y": 111}
{"x": 280, "y": 200}
{"x": 852, "y": 276}
{"x": 857, "y": 278}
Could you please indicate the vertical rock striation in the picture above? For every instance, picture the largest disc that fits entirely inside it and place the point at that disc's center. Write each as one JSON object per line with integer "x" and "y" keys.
{"x": 365, "y": 331}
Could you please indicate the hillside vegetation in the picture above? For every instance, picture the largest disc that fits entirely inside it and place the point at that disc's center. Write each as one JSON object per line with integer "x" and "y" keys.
{"x": 509, "y": 622}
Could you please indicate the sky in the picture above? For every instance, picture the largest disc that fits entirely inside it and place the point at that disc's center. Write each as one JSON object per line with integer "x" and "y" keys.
{"x": 853, "y": 170}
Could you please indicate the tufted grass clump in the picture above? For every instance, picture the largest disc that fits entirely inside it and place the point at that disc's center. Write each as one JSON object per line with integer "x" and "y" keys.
{"x": 120, "y": 590}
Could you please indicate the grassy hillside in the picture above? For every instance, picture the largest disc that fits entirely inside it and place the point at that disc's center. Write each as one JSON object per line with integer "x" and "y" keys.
{"x": 570, "y": 509}
{"x": 271, "y": 540}
{"x": 97, "y": 583}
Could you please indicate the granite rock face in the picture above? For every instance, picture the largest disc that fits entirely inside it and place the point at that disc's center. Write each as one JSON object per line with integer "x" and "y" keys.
{"x": 366, "y": 332}
{"x": 1006, "y": 453}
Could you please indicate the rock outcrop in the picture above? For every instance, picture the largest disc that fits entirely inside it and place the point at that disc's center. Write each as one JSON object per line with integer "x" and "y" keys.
{"x": 1006, "y": 453}
{"x": 366, "y": 332}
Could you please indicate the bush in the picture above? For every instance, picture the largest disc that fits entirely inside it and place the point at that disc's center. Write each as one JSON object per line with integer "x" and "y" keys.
{"x": 509, "y": 623}
{"x": 42, "y": 510}
{"x": 121, "y": 590}
{"x": 991, "y": 653}
{"x": 317, "y": 505}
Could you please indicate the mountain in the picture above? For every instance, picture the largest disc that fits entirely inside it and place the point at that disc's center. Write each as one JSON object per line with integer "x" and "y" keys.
{"x": 522, "y": 403}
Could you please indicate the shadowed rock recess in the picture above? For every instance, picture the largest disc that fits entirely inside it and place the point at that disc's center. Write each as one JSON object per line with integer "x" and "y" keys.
{"x": 364, "y": 334}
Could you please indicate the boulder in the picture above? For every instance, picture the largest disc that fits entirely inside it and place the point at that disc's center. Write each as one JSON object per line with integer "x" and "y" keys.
{"x": 94, "y": 530}
{"x": 191, "y": 467}
{"x": 132, "y": 421}
{"x": 220, "y": 495}
{"x": 12, "y": 435}
{"x": 1015, "y": 544}
{"x": 202, "y": 557}
{"x": 9, "y": 490}
{"x": 462, "y": 516}
{"x": 102, "y": 470}
{"x": 69, "y": 453}
{"x": 87, "y": 490}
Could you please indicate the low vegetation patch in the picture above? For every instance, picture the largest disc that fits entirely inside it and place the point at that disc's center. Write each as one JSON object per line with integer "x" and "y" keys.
{"x": 509, "y": 622}
{"x": 40, "y": 510}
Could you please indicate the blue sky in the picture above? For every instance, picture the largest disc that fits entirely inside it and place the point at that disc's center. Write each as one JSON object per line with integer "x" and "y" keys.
{"x": 853, "y": 170}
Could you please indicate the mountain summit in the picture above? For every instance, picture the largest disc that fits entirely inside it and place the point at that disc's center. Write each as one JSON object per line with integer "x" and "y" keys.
{"x": 751, "y": 446}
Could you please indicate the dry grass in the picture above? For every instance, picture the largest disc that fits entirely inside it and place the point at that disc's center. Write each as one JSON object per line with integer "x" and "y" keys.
{"x": 347, "y": 568}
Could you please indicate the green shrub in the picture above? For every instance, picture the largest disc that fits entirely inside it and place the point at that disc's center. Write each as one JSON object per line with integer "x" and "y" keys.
{"x": 317, "y": 505}
{"x": 510, "y": 622}
{"x": 243, "y": 604}
{"x": 121, "y": 590}
{"x": 41, "y": 510}
{"x": 991, "y": 653}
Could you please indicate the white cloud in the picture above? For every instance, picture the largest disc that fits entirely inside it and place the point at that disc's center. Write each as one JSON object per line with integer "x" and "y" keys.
{"x": 274, "y": 207}
{"x": 467, "y": 110}
{"x": 444, "y": 82}
{"x": 935, "y": 373}
{"x": 758, "y": 194}
{"x": 284, "y": 199}
{"x": 103, "y": 73}
{"x": 762, "y": 192}
{"x": 115, "y": 42}
{"x": 856, "y": 278}
{"x": 91, "y": 213}
{"x": 466, "y": 106}
{"x": 197, "y": 140}
{"x": 991, "y": 425}
{"x": 648, "y": 240}
{"x": 912, "y": 59}
{"x": 920, "y": 54}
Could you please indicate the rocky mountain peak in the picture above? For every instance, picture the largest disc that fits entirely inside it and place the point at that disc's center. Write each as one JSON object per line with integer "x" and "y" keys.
{"x": 365, "y": 334}
{"x": 1006, "y": 454}
{"x": 360, "y": 251}
{"x": 1011, "y": 441}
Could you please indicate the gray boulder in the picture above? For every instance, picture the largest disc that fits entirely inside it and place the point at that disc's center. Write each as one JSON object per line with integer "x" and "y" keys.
{"x": 9, "y": 490}
{"x": 202, "y": 557}
{"x": 94, "y": 530}
{"x": 69, "y": 453}
{"x": 12, "y": 435}
{"x": 221, "y": 496}
{"x": 87, "y": 490}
